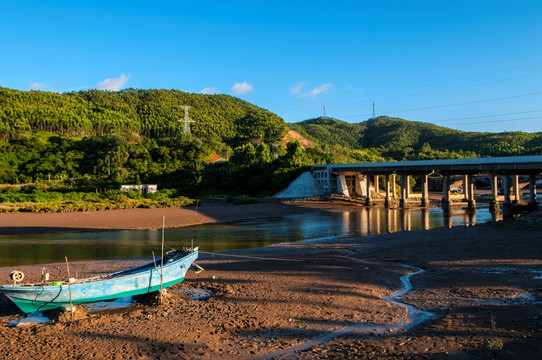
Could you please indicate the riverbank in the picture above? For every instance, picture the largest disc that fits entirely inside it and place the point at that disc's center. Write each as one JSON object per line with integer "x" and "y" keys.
{"x": 142, "y": 218}
{"x": 482, "y": 283}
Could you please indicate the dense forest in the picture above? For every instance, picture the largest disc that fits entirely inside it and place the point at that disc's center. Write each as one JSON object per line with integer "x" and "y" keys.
{"x": 149, "y": 113}
{"x": 409, "y": 140}
{"x": 64, "y": 146}
{"x": 94, "y": 140}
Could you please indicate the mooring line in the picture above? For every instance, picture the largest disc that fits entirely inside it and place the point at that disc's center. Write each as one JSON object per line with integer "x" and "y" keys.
{"x": 248, "y": 257}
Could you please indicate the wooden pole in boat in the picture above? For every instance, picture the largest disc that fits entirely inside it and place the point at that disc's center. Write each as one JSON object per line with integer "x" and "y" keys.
{"x": 162, "y": 260}
{"x": 69, "y": 285}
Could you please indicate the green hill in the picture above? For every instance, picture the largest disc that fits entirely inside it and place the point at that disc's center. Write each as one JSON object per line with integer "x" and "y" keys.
{"x": 149, "y": 113}
{"x": 104, "y": 137}
{"x": 94, "y": 139}
{"x": 400, "y": 138}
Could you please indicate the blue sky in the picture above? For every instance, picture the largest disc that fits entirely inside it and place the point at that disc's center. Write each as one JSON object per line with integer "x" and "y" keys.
{"x": 469, "y": 65}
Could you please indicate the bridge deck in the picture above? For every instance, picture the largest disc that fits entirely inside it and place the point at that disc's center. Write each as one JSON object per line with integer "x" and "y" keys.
{"x": 500, "y": 165}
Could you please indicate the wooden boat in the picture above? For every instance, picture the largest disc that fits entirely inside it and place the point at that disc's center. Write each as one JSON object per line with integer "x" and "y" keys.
{"x": 135, "y": 281}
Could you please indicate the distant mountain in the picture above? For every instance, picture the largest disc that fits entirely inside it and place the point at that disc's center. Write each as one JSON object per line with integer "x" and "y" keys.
{"x": 395, "y": 135}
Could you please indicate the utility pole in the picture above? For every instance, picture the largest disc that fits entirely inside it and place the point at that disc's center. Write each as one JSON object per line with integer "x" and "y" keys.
{"x": 186, "y": 121}
{"x": 374, "y": 110}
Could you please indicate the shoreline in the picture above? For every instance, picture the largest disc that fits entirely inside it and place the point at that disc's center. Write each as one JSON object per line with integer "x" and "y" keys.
{"x": 482, "y": 283}
{"x": 142, "y": 219}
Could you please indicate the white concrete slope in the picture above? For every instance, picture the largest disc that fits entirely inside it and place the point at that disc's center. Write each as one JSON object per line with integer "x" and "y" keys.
{"x": 303, "y": 187}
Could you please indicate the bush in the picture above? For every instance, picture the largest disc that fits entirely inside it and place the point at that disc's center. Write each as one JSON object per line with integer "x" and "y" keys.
{"x": 494, "y": 344}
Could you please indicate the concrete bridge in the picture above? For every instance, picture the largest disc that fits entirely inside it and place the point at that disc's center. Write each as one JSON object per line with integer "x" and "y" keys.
{"x": 377, "y": 182}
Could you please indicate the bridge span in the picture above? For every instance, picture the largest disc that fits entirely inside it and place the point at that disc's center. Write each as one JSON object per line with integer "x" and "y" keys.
{"x": 456, "y": 178}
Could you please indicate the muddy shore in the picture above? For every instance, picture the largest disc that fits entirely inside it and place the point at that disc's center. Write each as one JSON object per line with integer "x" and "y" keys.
{"x": 137, "y": 219}
{"x": 482, "y": 284}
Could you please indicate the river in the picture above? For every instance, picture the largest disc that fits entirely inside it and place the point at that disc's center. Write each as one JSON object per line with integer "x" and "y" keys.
{"x": 48, "y": 248}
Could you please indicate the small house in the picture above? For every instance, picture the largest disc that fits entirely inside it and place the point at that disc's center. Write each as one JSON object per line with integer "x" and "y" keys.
{"x": 144, "y": 189}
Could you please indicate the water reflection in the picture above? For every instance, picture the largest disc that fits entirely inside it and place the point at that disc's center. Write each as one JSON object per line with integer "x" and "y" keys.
{"x": 47, "y": 248}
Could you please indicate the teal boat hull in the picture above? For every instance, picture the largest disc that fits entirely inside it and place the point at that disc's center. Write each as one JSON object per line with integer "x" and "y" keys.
{"x": 140, "y": 280}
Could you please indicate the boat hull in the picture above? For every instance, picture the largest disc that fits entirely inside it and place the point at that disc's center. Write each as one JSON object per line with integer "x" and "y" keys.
{"x": 141, "y": 280}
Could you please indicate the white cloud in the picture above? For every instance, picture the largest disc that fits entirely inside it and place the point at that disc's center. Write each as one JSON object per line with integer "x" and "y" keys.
{"x": 296, "y": 89}
{"x": 210, "y": 91}
{"x": 113, "y": 84}
{"x": 241, "y": 88}
{"x": 36, "y": 86}
{"x": 321, "y": 89}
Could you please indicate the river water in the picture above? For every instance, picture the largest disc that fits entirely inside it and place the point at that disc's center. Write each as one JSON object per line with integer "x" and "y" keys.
{"x": 48, "y": 248}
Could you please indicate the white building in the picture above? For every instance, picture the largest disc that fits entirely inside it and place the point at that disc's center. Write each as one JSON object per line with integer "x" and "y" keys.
{"x": 144, "y": 189}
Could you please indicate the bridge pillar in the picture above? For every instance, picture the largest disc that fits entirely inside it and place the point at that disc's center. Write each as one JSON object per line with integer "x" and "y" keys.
{"x": 368, "y": 201}
{"x": 387, "y": 201}
{"x": 446, "y": 193}
{"x": 533, "y": 204}
{"x": 494, "y": 202}
{"x": 360, "y": 185}
{"x": 393, "y": 186}
{"x": 517, "y": 196}
{"x": 425, "y": 190}
{"x": 465, "y": 188}
{"x": 405, "y": 190}
{"x": 376, "y": 181}
{"x": 342, "y": 188}
{"x": 471, "y": 203}
{"x": 507, "y": 204}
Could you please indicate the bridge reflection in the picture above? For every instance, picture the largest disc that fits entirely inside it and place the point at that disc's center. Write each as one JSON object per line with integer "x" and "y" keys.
{"x": 379, "y": 220}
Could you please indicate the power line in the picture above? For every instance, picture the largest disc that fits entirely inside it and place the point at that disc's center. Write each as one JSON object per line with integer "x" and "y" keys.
{"x": 486, "y": 116}
{"x": 468, "y": 77}
{"x": 429, "y": 85}
{"x": 436, "y": 91}
{"x": 463, "y": 86}
{"x": 450, "y": 105}
{"x": 467, "y": 103}
{"x": 496, "y": 121}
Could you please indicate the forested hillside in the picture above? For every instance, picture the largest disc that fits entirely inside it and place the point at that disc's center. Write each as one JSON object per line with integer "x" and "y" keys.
{"x": 65, "y": 145}
{"x": 149, "y": 113}
{"x": 92, "y": 140}
{"x": 402, "y": 139}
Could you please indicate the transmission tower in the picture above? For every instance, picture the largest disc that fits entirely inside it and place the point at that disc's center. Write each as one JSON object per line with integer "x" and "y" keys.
{"x": 186, "y": 121}
{"x": 374, "y": 116}
{"x": 324, "y": 112}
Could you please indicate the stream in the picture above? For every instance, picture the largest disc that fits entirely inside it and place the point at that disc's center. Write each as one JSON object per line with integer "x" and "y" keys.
{"x": 414, "y": 317}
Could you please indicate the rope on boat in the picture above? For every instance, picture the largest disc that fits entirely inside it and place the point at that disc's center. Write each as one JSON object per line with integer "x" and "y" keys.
{"x": 248, "y": 257}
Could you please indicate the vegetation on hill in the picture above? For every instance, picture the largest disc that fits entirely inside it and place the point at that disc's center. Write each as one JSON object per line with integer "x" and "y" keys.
{"x": 401, "y": 139}
{"x": 71, "y": 151}
{"x": 149, "y": 113}
{"x": 92, "y": 141}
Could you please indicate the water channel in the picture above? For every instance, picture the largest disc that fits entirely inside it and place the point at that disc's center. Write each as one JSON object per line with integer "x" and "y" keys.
{"x": 49, "y": 248}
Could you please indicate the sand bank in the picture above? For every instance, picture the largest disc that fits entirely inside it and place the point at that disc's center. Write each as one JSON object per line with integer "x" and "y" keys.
{"x": 483, "y": 283}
